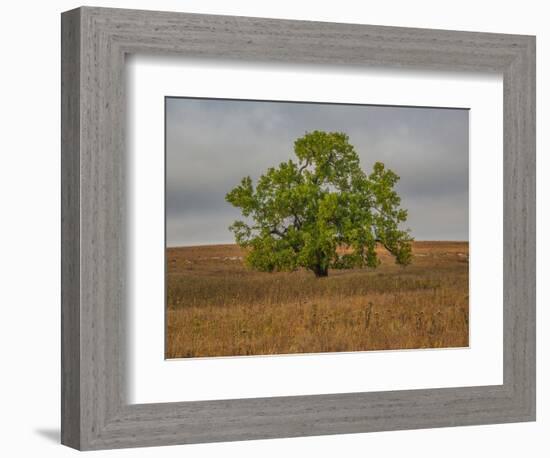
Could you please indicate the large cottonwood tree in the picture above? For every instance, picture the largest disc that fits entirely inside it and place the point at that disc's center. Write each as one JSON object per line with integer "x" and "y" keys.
{"x": 320, "y": 211}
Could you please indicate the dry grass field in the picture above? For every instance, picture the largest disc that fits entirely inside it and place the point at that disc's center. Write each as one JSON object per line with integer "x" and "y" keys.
{"x": 217, "y": 307}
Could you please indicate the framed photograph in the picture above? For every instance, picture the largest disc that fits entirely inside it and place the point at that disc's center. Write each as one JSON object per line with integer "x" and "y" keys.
{"x": 307, "y": 253}
{"x": 276, "y": 228}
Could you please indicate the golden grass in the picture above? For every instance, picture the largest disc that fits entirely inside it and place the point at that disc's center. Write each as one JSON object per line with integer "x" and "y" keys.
{"x": 217, "y": 307}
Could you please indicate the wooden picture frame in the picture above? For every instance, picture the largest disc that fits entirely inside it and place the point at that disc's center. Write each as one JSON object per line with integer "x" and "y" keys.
{"x": 95, "y": 410}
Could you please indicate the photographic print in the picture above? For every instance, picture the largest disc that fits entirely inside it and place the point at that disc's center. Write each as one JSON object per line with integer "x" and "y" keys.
{"x": 301, "y": 227}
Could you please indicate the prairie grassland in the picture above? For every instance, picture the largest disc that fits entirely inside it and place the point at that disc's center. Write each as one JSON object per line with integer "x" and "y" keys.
{"x": 217, "y": 307}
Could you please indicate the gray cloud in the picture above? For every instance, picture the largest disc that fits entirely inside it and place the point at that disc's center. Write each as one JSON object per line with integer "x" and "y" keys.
{"x": 212, "y": 144}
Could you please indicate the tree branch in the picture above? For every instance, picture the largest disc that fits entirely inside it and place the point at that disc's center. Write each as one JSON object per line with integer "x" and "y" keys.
{"x": 276, "y": 231}
{"x": 384, "y": 214}
{"x": 303, "y": 167}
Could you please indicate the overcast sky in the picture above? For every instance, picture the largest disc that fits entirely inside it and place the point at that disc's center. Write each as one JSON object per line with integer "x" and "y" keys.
{"x": 212, "y": 144}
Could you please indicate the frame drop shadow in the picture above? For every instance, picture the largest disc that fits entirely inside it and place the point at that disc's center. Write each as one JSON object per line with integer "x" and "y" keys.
{"x": 53, "y": 435}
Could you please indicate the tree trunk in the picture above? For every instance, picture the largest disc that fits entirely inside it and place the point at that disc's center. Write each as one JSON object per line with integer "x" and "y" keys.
{"x": 320, "y": 271}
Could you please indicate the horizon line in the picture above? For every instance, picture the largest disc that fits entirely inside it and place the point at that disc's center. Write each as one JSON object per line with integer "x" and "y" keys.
{"x": 233, "y": 243}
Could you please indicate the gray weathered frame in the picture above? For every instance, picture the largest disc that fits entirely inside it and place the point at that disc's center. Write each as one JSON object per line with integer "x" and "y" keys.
{"x": 95, "y": 414}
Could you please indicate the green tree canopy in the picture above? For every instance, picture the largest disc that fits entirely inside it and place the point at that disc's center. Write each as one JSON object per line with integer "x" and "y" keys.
{"x": 321, "y": 211}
